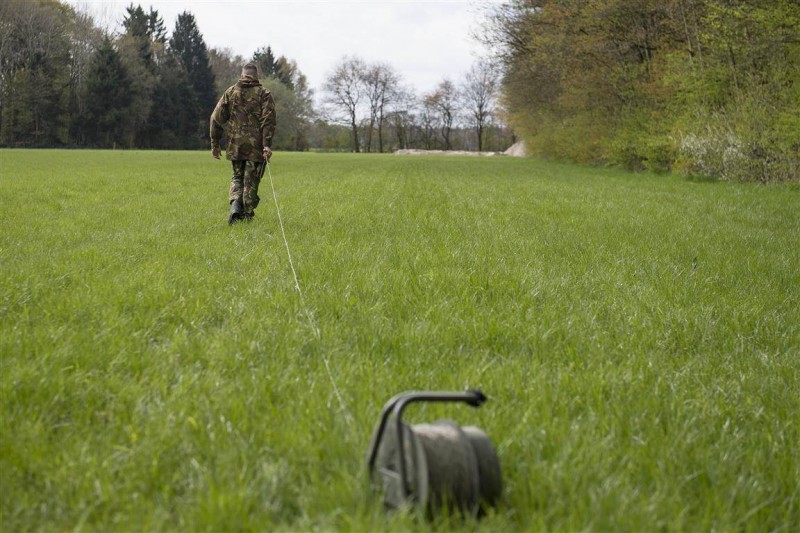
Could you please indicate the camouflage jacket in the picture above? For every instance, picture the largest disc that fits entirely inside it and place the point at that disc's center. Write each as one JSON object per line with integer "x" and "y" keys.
{"x": 247, "y": 111}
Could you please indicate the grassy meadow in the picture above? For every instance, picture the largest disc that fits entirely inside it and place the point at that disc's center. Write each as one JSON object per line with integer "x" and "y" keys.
{"x": 638, "y": 337}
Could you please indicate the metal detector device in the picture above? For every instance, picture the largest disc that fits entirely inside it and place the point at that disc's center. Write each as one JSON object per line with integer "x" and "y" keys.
{"x": 434, "y": 465}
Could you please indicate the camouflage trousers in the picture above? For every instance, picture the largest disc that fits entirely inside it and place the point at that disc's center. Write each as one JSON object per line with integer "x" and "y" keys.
{"x": 244, "y": 183}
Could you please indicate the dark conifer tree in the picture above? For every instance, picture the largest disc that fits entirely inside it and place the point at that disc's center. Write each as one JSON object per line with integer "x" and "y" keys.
{"x": 188, "y": 45}
{"x": 265, "y": 59}
{"x": 136, "y": 24}
{"x": 155, "y": 27}
{"x": 142, "y": 48}
{"x": 108, "y": 99}
{"x": 174, "y": 111}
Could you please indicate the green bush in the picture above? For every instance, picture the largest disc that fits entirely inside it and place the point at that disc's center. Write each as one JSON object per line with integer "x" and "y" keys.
{"x": 638, "y": 151}
{"x": 749, "y": 141}
{"x": 660, "y": 154}
{"x": 626, "y": 153}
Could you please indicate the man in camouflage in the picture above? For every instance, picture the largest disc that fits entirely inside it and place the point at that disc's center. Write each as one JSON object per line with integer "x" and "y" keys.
{"x": 247, "y": 111}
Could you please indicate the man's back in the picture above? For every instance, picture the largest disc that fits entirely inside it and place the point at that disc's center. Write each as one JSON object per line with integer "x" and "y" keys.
{"x": 248, "y": 112}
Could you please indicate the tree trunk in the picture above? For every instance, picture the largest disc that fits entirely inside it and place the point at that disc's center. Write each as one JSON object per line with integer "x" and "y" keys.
{"x": 356, "y": 147}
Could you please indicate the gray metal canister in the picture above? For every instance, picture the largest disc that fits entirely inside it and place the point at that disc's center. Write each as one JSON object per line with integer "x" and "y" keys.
{"x": 442, "y": 464}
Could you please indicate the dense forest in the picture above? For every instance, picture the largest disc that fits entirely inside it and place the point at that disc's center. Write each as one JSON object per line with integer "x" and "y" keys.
{"x": 64, "y": 82}
{"x": 708, "y": 87}
{"x": 704, "y": 87}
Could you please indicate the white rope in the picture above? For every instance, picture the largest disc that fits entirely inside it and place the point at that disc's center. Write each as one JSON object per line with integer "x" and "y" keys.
{"x": 289, "y": 253}
{"x": 311, "y": 321}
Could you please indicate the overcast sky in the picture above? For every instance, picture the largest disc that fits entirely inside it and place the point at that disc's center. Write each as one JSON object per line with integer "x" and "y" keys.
{"x": 424, "y": 40}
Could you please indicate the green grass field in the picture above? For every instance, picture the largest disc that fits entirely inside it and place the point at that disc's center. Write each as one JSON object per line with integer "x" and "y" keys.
{"x": 638, "y": 337}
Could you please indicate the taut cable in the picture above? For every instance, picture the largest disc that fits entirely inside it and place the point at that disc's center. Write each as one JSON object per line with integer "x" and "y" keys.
{"x": 310, "y": 319}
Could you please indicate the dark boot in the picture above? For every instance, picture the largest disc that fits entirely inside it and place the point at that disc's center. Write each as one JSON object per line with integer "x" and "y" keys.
{"x": 237, "y": 211}
{"x": 248, "y": 216}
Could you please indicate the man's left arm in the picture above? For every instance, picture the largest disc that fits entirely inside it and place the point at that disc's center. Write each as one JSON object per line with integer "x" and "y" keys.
{"x": 268, "y": 122}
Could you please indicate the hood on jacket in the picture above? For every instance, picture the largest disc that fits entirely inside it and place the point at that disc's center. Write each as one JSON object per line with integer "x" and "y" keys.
{"x": 248, "y": 81}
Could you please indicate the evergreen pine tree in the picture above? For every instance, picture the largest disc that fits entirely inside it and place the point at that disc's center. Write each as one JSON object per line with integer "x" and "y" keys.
{"x": 108, "y": 121}
{"x": 188, "y": 45}
{"x": 142, "y": 49}
{"x": 174, "y": 108}
{"x": 136, "y": 28}
{"x": 265, "y": 59}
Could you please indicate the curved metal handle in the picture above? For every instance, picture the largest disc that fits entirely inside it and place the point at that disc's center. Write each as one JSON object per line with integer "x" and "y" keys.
{"x": 397, "y": 405}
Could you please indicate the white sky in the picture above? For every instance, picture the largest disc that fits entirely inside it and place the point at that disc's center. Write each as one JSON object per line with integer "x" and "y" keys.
{"x": 424, "y": 40}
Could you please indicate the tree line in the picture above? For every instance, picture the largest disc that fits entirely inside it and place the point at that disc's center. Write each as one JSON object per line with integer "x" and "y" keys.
{"x": 381, "y": 111}
{"x": 705, "y": 87}
{"x": 708, "y": 87}
{"x": 65, "y": 82}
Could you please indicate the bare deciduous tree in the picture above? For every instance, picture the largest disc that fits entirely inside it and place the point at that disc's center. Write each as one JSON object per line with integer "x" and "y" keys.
{"x": 381, "y": 87}
{"x": 445, "y": 101}
{"x": 478, "y": 93}
{"x": 401, "y": 117}
{"x": 344, "y": 92}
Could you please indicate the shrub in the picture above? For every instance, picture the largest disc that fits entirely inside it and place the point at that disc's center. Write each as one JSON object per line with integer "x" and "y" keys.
{"x": 750, "y": 140}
